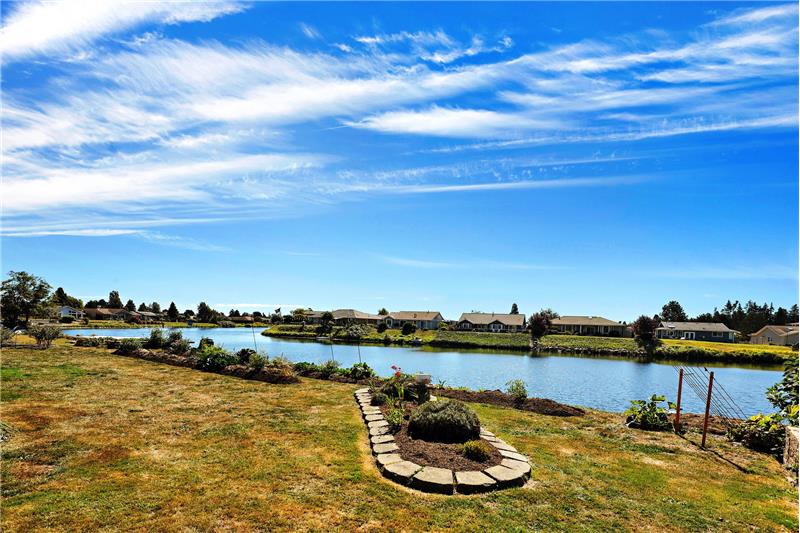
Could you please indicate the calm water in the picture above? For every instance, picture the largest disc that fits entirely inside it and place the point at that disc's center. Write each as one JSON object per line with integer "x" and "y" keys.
{"x": 593, "y": 382}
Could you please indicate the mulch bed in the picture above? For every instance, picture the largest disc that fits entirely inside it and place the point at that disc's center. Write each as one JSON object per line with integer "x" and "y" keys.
{"x": 541, "y": 406}
{"x": 695, "y": 422}
{"x": 439, "y": 454}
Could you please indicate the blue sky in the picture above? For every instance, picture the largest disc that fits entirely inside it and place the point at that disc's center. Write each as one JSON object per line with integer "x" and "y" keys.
{"x": 593, "y": 158}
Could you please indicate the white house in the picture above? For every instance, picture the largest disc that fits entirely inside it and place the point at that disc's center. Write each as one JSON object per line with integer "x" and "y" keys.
{"x": 65, "y": 311}
{"x": 421, "y": 319}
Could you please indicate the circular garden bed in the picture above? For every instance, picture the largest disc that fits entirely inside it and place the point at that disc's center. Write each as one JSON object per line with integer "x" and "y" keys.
{"x": 439, "y": 448}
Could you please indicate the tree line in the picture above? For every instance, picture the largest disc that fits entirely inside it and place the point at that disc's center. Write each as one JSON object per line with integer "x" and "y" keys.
{"x": 746, "y": 319}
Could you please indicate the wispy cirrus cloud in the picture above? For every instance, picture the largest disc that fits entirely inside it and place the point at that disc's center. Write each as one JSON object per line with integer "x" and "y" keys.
{"x": 59, "y": 27}
{"x": 462, "y": 264}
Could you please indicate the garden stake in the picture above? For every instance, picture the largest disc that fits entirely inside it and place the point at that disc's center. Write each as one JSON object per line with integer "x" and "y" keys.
{"x": 678, "y": 405}
{"x": 708, "y": 407}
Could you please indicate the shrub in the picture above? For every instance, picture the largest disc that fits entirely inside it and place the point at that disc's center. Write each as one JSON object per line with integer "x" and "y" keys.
{"x": 784, "y": 394}
{"x": 329, "y": 368}
{"x": 360, "y": 371}
{"x": 205, "y": 341}
{"x": 244, "y": 355}
{"x": 418, "y": 391}
{"x": 648, "y": 414}
{"x": 174, "y": 336}
{"x": 394, "y": 417}
{"x": 477, "y": 450}
{"x": 156, "y": 339}
{"x": 304, "y": 368}
{"x": 211, "y": 358}
{"x": 257, "y": 361}
{"x": 444, "y": 421}
{"x": 128, "y": 346}
{"x": 45, "y": 335}
{"x": 516, "y": 389}
{"x": 91, "y": 342}
{"x": 379, "y": 398}
{"x": 382, "y": 327}
{"x": 764, "y": 433}
{"x": 644, "y": 333}
{"x": 66, "y": 319}
{"x": 408, "y": 328}
{"x": 6, "y": 335}
{"x": 226, "y": 324}
{"x": 180, "y": 347}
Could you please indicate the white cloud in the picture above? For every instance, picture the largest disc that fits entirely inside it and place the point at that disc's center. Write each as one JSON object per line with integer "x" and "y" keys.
{"x": 469, "y": 263}
{"x": 309, "y": 31}
{"x": 59, "y": 27}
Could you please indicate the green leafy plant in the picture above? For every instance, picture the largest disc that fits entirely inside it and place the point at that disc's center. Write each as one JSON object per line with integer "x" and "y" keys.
{"x": 304, "y": 368}
{"x": 419, "y": 392}
{"x": 649, "y": 414}
{"x": 444, "y": 421}
{"x": 784, "y": 394}
{"x": 408, "y": 328}
{"x": 764, "y": 433}
{"x": 257, "y": 362}
{"x": 360, "y": 371}
{"x": 244, "y": 355}
{"x": 180, "y": 347}
{"x": 394, "y": 416}
{"x": 477, "y": 450}
{"x": 45, "y": 335}
{"x": 329, "y": 368}
{"x": 516, "y": 389}
{"x": 211, "y": 358}
{"x": 6, "y": 336}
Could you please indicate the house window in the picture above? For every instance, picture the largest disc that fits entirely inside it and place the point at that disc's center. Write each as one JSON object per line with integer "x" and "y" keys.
{"x": 717, "y": 334}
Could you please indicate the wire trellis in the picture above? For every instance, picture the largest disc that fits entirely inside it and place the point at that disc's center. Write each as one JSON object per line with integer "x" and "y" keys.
{"x": 722, "y": 405}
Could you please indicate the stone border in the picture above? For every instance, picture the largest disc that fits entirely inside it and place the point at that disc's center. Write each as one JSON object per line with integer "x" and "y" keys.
{"x": 513, "y": 471}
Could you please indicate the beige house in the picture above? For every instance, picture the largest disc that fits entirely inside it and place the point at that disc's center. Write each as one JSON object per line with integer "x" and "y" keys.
{"x": 421, "y": 319}
{"x": 589, "y": 325}
{"x": 777, "y": 335}
{"x": 343, "y": 317}
{"x": 500, "y": 323}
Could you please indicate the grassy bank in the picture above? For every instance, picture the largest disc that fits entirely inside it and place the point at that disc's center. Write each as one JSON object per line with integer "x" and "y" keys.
{"x": 669, "y": 349}
{"x": 101, "y": 441}
{"x": 118, "y": 324}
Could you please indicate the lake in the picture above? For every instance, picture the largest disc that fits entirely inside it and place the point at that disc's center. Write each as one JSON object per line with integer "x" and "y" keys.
{"x": 602, "y": 383}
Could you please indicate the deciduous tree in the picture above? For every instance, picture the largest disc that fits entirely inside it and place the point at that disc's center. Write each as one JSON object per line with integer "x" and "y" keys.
{"x": 22, "y": 295}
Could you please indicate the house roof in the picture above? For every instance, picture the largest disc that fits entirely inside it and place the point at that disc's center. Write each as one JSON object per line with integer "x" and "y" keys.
{"x": 696, "y": 326}
{"x": 415, "y": 315}
{"x": 353, "y": 314}
{"x": 584, "y": 321}
{"x": 487, "y": 318}
{"x": 780, "y": 331}
{"x": 104, "y": 311}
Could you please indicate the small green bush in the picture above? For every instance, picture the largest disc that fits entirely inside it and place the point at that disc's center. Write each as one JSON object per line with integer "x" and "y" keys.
{"x": 408, "y": 328}
{"x": 394, "y": 417}
{"x": 129, "y": 346}
{"x": 763, "y": 433}
{"x": 379, "y": 398}
{"x": 205, "y": 341}
{"x": 244, "y": 355}
{"x": 45, "y": 335}
{"x": 211, "y": 358}
{"x": 516, "y": 389}
{"x": 174, "y": 336}
{"x": 304, "y": 368}
{"x": 156, "y": 339}
{"x": 6, "y": 335}
{"x": 257, "y": 361}
{"x": 328, "y": 368}
{"x": 382, "y": 327}
{"x": 360, "y": 371}
{"x": 477, "y": 450}
{"x": 66, "y": 319}
{"x": 648, "y": 414}
{"x": 444, "y": 421}
{"x": 180, "y": 347}
{"x": 419, "y": 392}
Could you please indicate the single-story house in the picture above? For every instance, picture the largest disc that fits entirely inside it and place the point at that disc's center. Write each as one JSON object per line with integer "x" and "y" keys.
{"x": 696, "y": 331}
{"x": 589, "y": 325}
{"x": 106, "y": 313}
{"x": 312, "y": 317}
{"x": 491, "y": 322}
{"x": 777, "y": 335}
{"x": 241, "y": 319}
{"x": 421, "y": 319}
{"x": 145, "y": 316}
{"x": 66, "y": 311}
{"x": 343, "y": 317}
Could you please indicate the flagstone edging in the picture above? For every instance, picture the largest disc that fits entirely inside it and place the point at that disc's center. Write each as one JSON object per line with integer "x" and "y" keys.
{"x": 513, "y": 471}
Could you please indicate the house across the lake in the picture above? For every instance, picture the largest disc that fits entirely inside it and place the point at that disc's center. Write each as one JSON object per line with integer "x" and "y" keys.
{"x": 421, "y": 319}
{"x": 106, "y": 313}
{"x": 776, "y": 335}
{"x": 66, "y": 311}
{"x": 491, "y": 322}
{"x": 589, "y": 325}
{"x": 696, "y": 331}
{"x": 343, "y": 317}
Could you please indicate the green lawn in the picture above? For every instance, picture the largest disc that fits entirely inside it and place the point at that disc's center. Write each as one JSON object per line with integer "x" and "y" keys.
{"x": 96, "y": 441}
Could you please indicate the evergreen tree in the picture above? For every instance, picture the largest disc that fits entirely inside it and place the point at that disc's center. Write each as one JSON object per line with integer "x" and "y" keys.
{"x": 130, "y": 306}
{"x": 155, "y": 307}
{"x": 60, "y": 297}
{"x": 204, "y": 312}
{"x": 142, "y": 307}
{"x": 514, "y": 309}
{"x": 673, "y": 312}
{"x": 172, "y": 312}
{"x": 114, "y": 301}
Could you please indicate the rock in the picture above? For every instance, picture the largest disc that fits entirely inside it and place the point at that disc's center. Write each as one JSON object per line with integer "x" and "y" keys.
{"x": 379, "y": 424}
{"x": 485, "y": 433}
{"x": 524, "y": 466}
{"x": 401, "y": 472}
{"x": 385, "y": 459}
{"x": 382, "y": 430}
{"x": 506, "y": 477}
{"x": 433, "y": 479}
{"x": 790, "y": 449}
{"x": 500, "y": 445}
{"x": 369, "y": 410}
{"x": 373, "y": 418}
{"x": 513, "y": 455}
{"x": 489, "y": 439}
{"x": 382, "y": 439}
{"x": 387, "y": 447}
{"x": 362, "y": 391}
{"x": 473, "y": 481}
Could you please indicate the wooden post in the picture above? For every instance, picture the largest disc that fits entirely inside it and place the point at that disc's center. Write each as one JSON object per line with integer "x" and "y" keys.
{"x": 678, "y": 404}
{"x": 708, "y": 408}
